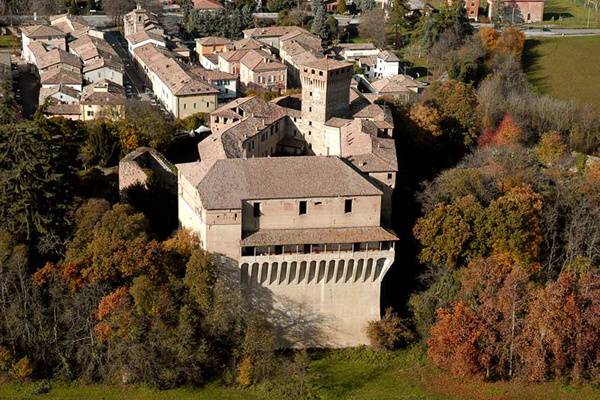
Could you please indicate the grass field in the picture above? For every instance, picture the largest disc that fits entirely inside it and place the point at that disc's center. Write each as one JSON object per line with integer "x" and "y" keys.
{"x": 570, "y": 14}
{"x": 7, "y": 41}
{"x": 566, "y": 68}
{"x": 337, "y": 375}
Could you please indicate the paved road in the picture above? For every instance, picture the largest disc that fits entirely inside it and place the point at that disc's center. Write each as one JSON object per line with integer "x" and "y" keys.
{"x": 561, "y": 32}
{"x": 133, "y": 76}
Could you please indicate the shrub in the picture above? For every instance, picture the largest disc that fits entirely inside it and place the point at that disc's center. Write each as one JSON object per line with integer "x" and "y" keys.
{"x": 389, "y": 332}
{"x": 22, "y": 369}
{"x": 245, "y": 375}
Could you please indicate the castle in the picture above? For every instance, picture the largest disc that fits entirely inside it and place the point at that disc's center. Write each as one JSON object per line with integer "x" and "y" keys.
{"x": 296, "y": 193}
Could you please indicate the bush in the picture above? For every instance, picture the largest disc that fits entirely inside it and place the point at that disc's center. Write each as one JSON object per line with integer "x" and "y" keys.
{"x": 6, "y": 359}
{"x": 389, "y": 332}
{"x": 246, "y": 372}
{"x": 22, "y": 369}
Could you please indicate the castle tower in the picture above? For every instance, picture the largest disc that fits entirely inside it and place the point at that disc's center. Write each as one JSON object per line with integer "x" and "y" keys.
{"x": 325, "y": 94}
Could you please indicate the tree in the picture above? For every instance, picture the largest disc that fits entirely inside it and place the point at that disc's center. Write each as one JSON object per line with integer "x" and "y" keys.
{"x": 371, "y": 27}
{"x": 454, "y": 340}
{"x": 550, "y": 148}
{"x": 144, "y": 125}
{"x": 364, "y": 5}
{"x": 33, "y": 175}
{"x": 458, "y": 105}
{"x": 509, "y": 133}
{"x": 450, "y": 234}
{"x": 117, "y": 8}
{"x": 511, "y": 41}
{"x": 562, "y": 328}
{"x": 101, "y": 145}
{"x": 279, "y": 5}
{"x": 341, "y": 7}
{"x": 399, "y": 19}
{"x": 319, "y": 23}
{"x": 427, "y": 118}
{"x": 388, "y": 332}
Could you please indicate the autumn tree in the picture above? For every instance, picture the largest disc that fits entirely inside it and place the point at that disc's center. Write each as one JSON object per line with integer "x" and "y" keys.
{"x": 550, "y": 148}
{"x": 426, "y": 118}
{"x": 511, "y": 41}
{"x": 388, "y": 332}
{"x": 372, "y": 28}
{"x": 562, "y": 328}
{"x": 341, "y": 7}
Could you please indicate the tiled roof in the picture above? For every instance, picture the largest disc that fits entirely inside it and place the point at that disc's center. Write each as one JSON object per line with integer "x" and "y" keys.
{"x": 213, "y": 41}
{"x": 210, "y": 75}
{"x": 258, "y": 60}
{"x": 103, "y": 92}
{"x": 248, "y": 43}
{"x": 357, "y": 46}
{"x": 46, "y": 58}
{"x": 207, "y": 5}
{"x": 213, "y": 58}
{"x": 66, "y": 90}
{"x": 233, "y": 56}
{"x": 272, "y": 31}
{"x": 326, "y": 64}
{"x": 41, "y": 31}
{"x": 71, "y": 24}
{"x": 273, "y": 237}
{"x": 387, "y": 56}
{"x": 230, "y": 181}
{"x": 395, "y": 84}
{"x": 61, "y": 76}
{"x": 88, "y": 48}
{"x": 178, "y": 80}
{"x": 56, "y": 108}
{"x": 141, "y": 36}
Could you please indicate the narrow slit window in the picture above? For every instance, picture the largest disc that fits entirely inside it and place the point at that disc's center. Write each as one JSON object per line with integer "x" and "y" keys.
{"x": 302, "y": 208}
{"x": 257, "y": 209}
{"x": 348, "y": 206}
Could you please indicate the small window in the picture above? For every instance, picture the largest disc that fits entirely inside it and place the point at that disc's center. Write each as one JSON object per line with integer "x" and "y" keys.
{"x": 389, "y": 176}
{"x": 348, "y": 206}
{"x": 278, "y": 249}
{"x": 309, "y": 123}
{"x": 257, "y": 209}
{"x": 309, "y": 109}
{"x": 302, "y": 208}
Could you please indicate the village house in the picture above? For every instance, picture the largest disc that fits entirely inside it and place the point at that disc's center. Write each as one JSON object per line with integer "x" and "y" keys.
{"x": 261, "y": 71}
{"x": 271, "y": 35}
{"x": 212, "y": 44}
{"x": 61, "y": 77}
{"x": 73, "y": 26}
{"x": 385, "y": 64}
{"x": 100, "y": 60}
{"x": 61, "y": 93}
{"x": 48, "y": 59}
{"x": 354, "y": 51}
{"x": 178, "y": 90}
{"x": 49, "y": 36}
{"x": 401, "y": 87}
{"x": 102, "y": 99}
{"x": 515, "y": 11}
{"x": 224, "y": 82}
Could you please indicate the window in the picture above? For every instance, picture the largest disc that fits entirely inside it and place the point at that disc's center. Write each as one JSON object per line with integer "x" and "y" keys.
{"x": 207, "y": 104}
{"x": 310, "y": 94}
{"x": 278, "y": 249}
{"x": 309, "y": 123}
{"x": 184, "y": 106}
{"x": 302, "y": 208}
{"x": 348, "y": 206}
{"x": 309, "y": 109}
{"x": 257, "y": 210}
{"x": 390, "y": 177}
{"x": 194, "y": 106}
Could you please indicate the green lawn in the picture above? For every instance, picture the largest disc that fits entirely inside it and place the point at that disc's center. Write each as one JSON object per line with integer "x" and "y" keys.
{"x": 7, "y": 41}
{"x": 569, "y": 14}
{"x": 566, "y": 67}
{"x": 351, "y": 374}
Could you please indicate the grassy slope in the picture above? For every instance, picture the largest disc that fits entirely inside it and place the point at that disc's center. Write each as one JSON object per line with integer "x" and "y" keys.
{"x": 566, "y": 68}
{"x": 7, "y": 41}
{"x": 345, "y": 375}
{"x": 572, "y": 12}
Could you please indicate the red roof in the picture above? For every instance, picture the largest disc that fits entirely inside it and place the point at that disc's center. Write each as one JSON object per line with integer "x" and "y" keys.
{"x": 207, "y": 5}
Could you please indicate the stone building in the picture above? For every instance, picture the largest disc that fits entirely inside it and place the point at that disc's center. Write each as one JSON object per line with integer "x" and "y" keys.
{"x": 143, "y": 164}
{"x": 305, "y": 233}
{"x": 311, "y": 246}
